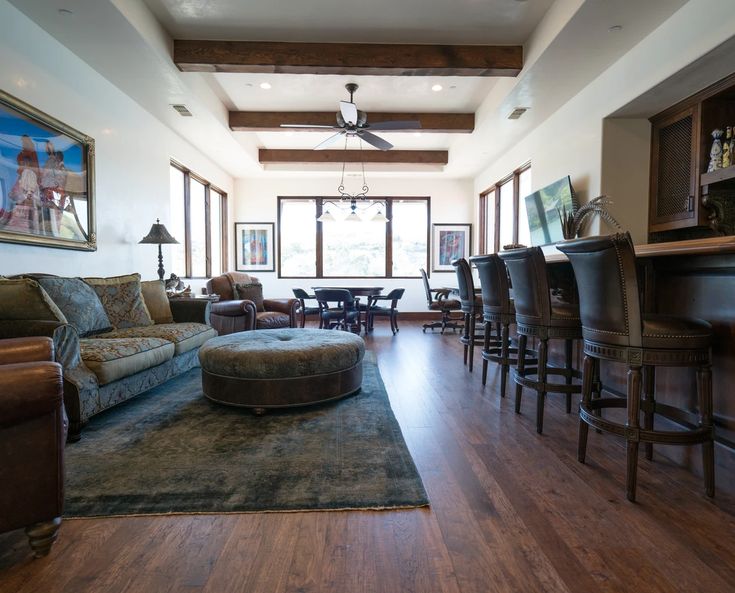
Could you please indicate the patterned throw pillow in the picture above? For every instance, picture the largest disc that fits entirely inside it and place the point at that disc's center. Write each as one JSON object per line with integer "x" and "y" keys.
{"x": 79, "y": 303}
{"x": 24, "y": 299}
{"x": 251, "y": 292}
{"x": 122, "y": 299}
{"x": 156, "y": 301}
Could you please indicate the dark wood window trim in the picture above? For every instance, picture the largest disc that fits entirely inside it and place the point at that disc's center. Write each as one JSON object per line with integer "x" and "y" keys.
{"x": 208, "y": 189}
{"x": 319, "y": 240}
{"x": 492, "y": 194}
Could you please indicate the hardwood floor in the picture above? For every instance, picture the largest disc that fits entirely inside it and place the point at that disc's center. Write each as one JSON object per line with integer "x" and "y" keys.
{"x": 511, "y": 511}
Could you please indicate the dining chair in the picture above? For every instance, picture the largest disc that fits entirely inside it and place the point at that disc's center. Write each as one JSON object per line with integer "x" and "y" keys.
{"x": 388, "y": 311}
{"x": 304, "y": 296}
{"x": 338, "y": 309}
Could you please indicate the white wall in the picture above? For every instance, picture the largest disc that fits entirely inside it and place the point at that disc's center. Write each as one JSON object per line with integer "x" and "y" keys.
{"x": 570, "y": 142}
{"x": 451, "y": 201}
{"x": 133, "y": 150}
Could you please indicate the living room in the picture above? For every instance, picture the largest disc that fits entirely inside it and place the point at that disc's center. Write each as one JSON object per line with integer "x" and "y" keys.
{"x": 592, "y": 76}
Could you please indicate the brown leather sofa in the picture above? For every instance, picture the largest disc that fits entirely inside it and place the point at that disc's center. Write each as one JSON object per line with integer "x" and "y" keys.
{"x": 232, "y": 314}
{"x": 32, "y": 435}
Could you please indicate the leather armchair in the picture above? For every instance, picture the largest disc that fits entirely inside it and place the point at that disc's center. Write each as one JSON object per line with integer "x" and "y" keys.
{"x": 232, "y": 314}
{"x": 32, "y": 435}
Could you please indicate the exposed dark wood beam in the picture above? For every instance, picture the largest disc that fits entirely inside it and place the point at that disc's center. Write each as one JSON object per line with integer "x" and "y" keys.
{"x": 270, "y": 121}
{"x": 348, "y": 58}
{"x": 413, "y": 157}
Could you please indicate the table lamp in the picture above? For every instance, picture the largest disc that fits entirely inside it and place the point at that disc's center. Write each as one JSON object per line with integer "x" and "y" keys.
{"x": 159, "y": 234}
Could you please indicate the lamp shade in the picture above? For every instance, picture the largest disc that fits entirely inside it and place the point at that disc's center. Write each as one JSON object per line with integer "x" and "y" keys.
{"x": 158, "y": 235}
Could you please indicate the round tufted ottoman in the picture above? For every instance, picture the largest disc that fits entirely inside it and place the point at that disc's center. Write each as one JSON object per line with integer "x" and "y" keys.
{"x": 279, "y": 368}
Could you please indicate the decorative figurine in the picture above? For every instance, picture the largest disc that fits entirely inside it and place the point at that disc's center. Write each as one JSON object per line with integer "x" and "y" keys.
{"x": 732, "y": 146}
{"x": 175, "y": 287}
{"x": 726, "y": 150}
{"x": 715, "y": 153}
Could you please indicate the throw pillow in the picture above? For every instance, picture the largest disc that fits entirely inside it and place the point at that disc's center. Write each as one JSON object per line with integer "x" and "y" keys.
{"x": 251, "y": 292}
{"x": 24, "y": 299}
{"x": 122, "y": 299}
{"x": 79, "y": 303}
{"x": 156, "y": 301}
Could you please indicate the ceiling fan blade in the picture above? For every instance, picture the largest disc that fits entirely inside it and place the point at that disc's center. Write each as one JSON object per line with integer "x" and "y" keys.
{"x": 329, "y": 141}
{"x": 376, "y": 141}
{"x": 349, "y": 112}
{"x": 395, "y": 125}
{"x": 307, "y": 126}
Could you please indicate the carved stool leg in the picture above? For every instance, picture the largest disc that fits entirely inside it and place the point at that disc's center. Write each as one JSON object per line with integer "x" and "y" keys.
{"x": 465, "y": 332}
{"x": 485, "y": 348}
{"x": 472, "y": 341}
{"x": 588, "y": 370}
{"x": 504, "y": 354}
{"x": 543, "y": 350}
{"x": 633, "y": 424}
{"x": 649, "y": 397}
{"x": 520, "y": 368}
{"x": 704, "y": 391}
{"x": 41, "y": 536}
{"x": 568, "y": 367}
{"x": 597, "y": 387}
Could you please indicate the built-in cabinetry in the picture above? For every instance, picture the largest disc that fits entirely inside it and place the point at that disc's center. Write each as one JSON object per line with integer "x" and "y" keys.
{"x": 683, "y": 195}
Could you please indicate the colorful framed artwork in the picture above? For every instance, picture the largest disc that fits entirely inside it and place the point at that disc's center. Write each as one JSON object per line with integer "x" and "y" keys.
{"x": 255, "y": 247}
{"x": 46, "y": 180}
{"x": 450, "y": 242}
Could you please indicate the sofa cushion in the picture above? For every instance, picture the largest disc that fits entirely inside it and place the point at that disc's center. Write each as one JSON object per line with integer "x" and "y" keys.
{"x": 79, "y": 303}
{"x": 251, "y": 292}
{"x": 156, "y": 301}
{"x": 113, "y": 359}
{"x": 24, "y": 299}
{"x": 272, "y": 320}
{"x": 122, "y": 299}
{"x": 185, "y": 336}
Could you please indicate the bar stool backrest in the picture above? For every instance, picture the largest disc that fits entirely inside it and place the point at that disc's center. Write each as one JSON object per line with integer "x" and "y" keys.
{"x": 528, "y": 274}
{"x": 466, "y": 285}
{"x": 609, "y": 301}
{"x": 493, "y": 283}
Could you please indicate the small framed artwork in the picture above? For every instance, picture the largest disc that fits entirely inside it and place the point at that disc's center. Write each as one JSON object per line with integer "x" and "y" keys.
{"x": 254, "y": 247}
{"x": 450, "y": 242}
{"x": 46, "y": 180}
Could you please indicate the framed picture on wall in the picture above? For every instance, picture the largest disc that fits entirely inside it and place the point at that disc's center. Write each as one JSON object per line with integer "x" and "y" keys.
{"x": 449, "y": 242}
{"x": 255, "y": 247}
{"x": 46, "y": 180}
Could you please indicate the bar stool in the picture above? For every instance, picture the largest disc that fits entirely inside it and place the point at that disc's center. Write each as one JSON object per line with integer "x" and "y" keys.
{"x": 538, "y": 317}
{"x": 497, "y": 309}
{"x": 471, "y": 306}
{"x": 615, "y": 329}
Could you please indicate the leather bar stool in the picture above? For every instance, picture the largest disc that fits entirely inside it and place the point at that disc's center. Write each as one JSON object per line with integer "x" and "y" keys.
{"x": 538, "y": 317}
{"x": 615, "y": 329}
{"x": 471, "y": 308}
{"x": 497, "y": 309}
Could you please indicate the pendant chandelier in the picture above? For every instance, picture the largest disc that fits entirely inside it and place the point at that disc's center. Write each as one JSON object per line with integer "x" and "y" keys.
{"x": 357, "y": 205}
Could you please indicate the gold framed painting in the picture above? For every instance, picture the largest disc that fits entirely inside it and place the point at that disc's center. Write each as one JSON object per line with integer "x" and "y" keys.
{"x": 46, "y": 180}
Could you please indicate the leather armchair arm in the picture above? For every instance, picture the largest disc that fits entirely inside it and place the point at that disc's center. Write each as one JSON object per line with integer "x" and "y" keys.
{"x": 190, "y": 310}
{"x": 244, "y": 309}
{"x": 288, "y": 306}
{"x": 31, "y": 349}
{"x": 29, "y": 390}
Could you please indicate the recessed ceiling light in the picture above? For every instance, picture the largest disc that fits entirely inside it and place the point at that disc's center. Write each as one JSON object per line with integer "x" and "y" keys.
{"x": 265, "y": 85}
{"x": 615, "y": 28}
{"x": 436, "y": 88}
{"x": 65, "y": 12}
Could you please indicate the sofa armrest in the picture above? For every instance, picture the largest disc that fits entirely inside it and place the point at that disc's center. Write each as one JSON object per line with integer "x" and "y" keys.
{"x": 190, "y": 310}
{"x": 29, "y": 390}
{"x": 31, "y": 349}
{"x": 288, "y": 306}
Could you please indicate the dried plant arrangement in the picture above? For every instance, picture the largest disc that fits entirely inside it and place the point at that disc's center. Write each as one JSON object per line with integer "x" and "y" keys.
{"x": 572, "y": 222}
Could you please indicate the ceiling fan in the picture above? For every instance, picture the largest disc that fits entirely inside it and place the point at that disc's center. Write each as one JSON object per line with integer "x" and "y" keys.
{"x": 353, "y": 122}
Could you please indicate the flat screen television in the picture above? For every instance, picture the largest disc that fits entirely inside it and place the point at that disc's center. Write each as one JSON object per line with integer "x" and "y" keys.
{"x": 543, "y": 208}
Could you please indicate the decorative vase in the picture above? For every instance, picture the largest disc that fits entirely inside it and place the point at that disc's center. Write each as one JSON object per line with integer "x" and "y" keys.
{"x": 715, "y": 153}
{"x": 726, "y": 150}
{"x": 732, "y": 146}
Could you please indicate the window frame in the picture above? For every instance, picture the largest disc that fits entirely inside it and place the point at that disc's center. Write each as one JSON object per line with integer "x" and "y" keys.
{"x": 208, "y": 189}
{"x": 494, "y": 191}
{"x": 319, "y": 208}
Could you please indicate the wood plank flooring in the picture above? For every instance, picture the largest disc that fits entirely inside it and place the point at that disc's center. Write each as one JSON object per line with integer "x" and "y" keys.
{"x": 511, "y": 511}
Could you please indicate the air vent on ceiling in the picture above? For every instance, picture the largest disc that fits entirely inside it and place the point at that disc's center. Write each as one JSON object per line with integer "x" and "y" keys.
{"x": 182, "y": 110}
{"x": 517, "y": 112}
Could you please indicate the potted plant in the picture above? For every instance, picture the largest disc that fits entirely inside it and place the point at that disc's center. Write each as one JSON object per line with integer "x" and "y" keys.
{"x": 572, "y": 221}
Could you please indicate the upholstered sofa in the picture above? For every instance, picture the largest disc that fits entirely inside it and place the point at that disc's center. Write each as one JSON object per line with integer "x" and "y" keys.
{"x": 135, "y": 341}
{"x": 235, "y": 313}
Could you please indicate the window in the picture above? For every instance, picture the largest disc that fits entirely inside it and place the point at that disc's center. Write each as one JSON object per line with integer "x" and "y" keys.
{"x": 311, "y": 249}
{"x": 199, "y": 222}
{"x": 503, "y": 218}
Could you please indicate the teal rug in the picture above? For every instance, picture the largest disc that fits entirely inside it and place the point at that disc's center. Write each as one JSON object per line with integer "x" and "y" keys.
{"x": 171, "y": 450}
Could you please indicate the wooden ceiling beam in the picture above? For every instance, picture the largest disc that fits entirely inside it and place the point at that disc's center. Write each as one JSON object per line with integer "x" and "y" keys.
{"x": 412, "y": 157}
{"x": 270, "y": 121}
{"x": 347, "y": 58}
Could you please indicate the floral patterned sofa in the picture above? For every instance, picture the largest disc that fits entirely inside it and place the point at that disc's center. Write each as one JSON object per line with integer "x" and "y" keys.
{"x": 115, "y": 337}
